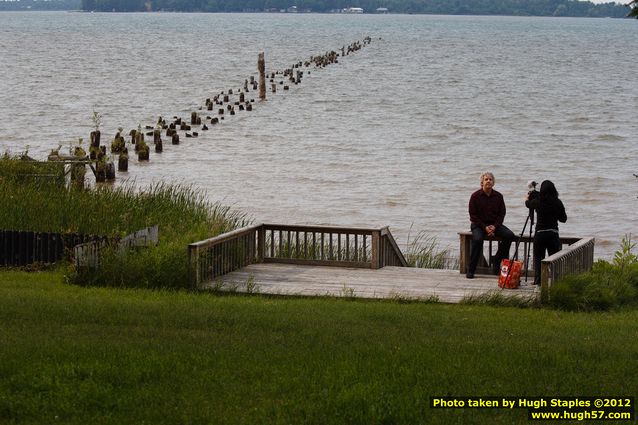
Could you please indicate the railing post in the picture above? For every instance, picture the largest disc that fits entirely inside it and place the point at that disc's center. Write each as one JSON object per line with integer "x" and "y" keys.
{"x": 464, "y": 254}
{"x": 546, "y": 271}
{"x": 261, "y": 243}
{"x": 375, "y": 260}
{"x": 193, "y": 264}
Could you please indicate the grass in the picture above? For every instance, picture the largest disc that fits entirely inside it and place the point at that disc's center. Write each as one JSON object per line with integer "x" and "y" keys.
{"x": 112, "y": 212}
{"x": 607, "y": 286}
{"x": 423, "y": 251}
{"x": 183, "y": 216}
{"x": 20, "y": 169}
{"x": 496, "y": 298}
{"x": 77, "y": 355}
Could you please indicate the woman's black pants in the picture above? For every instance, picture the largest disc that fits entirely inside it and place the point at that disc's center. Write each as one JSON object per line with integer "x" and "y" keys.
{"x": 544, "y": 241}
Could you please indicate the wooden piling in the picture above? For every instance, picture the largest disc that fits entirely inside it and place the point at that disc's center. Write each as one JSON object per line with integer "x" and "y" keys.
{"x": 78, "y": 170}
{"x": 122, "y": 161}
{"x": 100, "y": 171}
{"x": 110, "y": 171}
{"x": 143, "y": 153}
{"x": 95, "y": 138}
{"x": 261, "y": 66}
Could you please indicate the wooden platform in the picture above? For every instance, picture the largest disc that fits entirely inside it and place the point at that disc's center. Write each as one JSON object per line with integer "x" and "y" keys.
{"x": 448, "y": 286}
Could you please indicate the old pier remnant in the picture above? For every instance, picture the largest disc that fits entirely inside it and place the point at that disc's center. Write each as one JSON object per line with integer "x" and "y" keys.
{"x": 261, "y": 66}
{"x": 227, "y": 103}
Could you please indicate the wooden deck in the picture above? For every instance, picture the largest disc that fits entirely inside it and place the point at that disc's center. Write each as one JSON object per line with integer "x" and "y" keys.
{"x": 448, "y": 286}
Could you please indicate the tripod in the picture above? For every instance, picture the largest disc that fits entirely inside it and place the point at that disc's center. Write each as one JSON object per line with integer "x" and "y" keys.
{"x": 530, "y": 217}
{"x": 518, "y": 242}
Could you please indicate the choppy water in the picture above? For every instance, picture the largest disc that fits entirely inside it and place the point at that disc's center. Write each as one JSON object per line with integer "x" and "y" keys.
{"x": 395, "y": 134}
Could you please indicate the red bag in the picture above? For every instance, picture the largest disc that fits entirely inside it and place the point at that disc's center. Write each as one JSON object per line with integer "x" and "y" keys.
{"x": 510, "y": 279}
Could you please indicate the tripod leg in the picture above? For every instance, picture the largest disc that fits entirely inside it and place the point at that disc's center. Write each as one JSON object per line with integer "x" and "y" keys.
{"x": 529, "y": 245}
{"x": 515, "y": 256}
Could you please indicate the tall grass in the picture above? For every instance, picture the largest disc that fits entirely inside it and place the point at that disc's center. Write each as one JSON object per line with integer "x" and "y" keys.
{"x": 182, "y": 213}
{"x": 423, "y": 251}
{"x": 21, "y": 169}
{"x": 111, "y": 211}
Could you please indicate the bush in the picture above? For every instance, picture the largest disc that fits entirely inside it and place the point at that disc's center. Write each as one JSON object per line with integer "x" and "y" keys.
{"x": 606, "y": 286}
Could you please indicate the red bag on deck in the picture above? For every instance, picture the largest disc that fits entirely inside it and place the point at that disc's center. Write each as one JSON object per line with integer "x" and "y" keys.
{"x": 510, "y": 279}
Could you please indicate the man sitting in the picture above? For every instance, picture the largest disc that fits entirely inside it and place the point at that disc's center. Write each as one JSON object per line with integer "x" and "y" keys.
{"x": 487, "y": 212}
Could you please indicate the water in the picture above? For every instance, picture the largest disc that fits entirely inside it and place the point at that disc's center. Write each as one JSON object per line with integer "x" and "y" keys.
{"x": 396, "y": 134}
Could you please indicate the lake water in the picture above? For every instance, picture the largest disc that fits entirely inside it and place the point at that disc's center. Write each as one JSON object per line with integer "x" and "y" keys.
{"x": 395, "y": 134}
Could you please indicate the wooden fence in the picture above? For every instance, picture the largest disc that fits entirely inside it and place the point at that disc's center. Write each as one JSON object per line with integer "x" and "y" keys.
{"x": 292, "y": 244}
{"x": 21, "y": 248}
{"x": 576, "y": 258}
{"x": 87, "y": 255}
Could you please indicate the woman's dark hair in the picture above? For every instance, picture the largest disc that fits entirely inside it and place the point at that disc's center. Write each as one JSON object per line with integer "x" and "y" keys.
{"x": 548, "y": 190}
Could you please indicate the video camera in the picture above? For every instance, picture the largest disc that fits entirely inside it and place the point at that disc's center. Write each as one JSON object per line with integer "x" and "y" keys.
{"x": 531, "y": 187}
{"x": 531, "y": 195}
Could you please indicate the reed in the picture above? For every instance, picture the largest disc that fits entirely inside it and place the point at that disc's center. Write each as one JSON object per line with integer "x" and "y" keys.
{"x": 21, "y": 170}
{"x": 424, "y": 252}
{"x": 182, "y": 213}
{"x": 113, "y": 211}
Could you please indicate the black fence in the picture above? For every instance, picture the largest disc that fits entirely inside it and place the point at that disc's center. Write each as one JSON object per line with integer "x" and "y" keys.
{"x": 18, "y": 248}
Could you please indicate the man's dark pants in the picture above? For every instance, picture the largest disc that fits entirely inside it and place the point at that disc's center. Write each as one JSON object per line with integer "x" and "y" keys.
{"x": 478, "y": 235}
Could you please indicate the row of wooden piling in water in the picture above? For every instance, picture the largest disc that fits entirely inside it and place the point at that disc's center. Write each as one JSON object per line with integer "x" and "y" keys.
{"x": 217, "y": 107}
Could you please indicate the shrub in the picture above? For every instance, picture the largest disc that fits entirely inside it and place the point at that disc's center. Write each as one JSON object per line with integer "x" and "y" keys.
{"x": 606, "y": 286}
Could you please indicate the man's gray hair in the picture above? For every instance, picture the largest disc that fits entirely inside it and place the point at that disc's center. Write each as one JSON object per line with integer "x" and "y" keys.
{"x": 488, "y": 173}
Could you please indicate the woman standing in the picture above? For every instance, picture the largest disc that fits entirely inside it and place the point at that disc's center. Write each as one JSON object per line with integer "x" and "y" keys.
{"x": 550, "y": 210}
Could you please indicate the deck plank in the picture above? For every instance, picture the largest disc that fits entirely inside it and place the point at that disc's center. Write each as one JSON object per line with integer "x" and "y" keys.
{"x": 449, "y": 286}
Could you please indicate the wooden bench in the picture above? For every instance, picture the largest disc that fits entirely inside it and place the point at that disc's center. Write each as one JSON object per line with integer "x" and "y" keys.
{"x": 485, "y": 267}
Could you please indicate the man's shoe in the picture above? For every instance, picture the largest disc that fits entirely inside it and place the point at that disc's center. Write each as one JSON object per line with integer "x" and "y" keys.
{"x": 469, "y": 275}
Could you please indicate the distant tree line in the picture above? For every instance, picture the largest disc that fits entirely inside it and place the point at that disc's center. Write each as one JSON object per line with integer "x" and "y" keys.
{"x": 14, "y": 5}
{"x": 450, "y": 7}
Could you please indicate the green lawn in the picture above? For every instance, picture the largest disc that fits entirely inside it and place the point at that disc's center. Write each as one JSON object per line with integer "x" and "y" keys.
{"x": 75, "y": 355}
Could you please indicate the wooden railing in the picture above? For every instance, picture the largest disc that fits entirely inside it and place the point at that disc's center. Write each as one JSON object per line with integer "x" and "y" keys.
{"x": 292, "y": 244}
{"x": 525, "y": 250}
{"x": 576, "y": 258}
{"x": 87, "y": 255}
{"x": 391, "y": 254}
{"x": 21, "y": 248}
{"x": 222, "y": 254}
